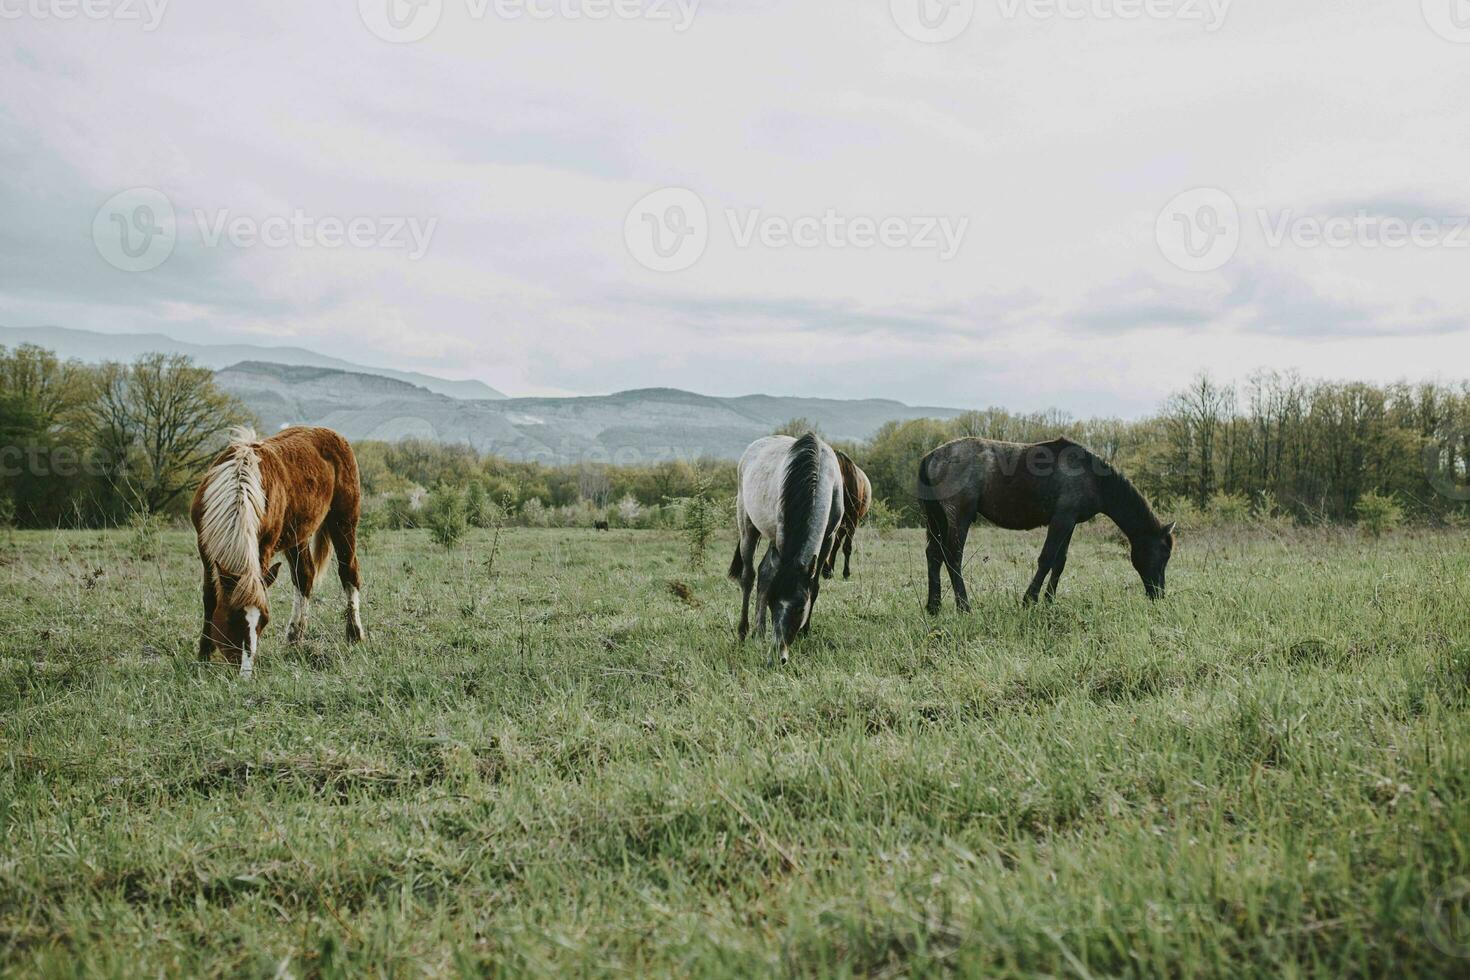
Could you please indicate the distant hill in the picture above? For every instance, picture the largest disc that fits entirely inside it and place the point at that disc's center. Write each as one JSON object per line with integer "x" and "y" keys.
{"x": 89, "y": 345}
{"x": 643, "y": 426}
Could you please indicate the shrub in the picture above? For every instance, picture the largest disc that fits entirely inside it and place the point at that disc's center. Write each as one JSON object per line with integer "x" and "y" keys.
{"x": 1378, "y": 513}
{"x": 397, "y": 513}
{"x": 882, "y": 518}
{"x": 701, "y": 516}
{"x": 629, "y": 511}
{"x": 480, "y": 510}
{"x": 1229, "y": 510}
{"x": 7, "y": 512}
{"x": 1268, "y": 513}
{"x": 446, "y": 517}
{"x": 533, "y": 513}
{"x": 145, "y": 540}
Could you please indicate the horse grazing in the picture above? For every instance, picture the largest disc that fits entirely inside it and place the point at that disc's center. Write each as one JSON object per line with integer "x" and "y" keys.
{"x": 857, "y": 497}
{"x": 791, "y": 492}
{"x": 1055, "y": 485}
{"x": 296, "y": 492}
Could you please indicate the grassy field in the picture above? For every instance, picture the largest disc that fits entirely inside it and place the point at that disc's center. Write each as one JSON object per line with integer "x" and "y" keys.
{"x": 546, "y": 760}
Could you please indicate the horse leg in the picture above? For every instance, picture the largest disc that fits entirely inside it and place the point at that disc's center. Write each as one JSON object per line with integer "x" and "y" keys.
{"x": 934, "y": 524}
{"x": 830, "y": 563}
{"x": 303, "y": 577}
{"x": 206, "y": 639}
{"x": 826, "y": 555}
{"x": 1059, "y": 563}
{"x": 846, "y": 554}
{"x": 763, "y": 588}
{"x": 343, "y": 531}
{"x": 954, "y": 555}
{"x": 1057, "y": 536}
{"x": 745, "y": 551}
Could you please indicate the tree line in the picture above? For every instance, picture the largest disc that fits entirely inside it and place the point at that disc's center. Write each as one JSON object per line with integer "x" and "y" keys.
{"x": 92, "y": 445}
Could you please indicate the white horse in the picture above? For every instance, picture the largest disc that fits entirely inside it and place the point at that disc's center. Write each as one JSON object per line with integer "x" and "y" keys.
{"x": 791, "y": 492}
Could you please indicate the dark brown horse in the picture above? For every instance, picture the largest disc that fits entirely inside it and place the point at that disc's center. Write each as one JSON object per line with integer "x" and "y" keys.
{"x": 857, "y": 497}
{"x": 296, "y": 492}
{"x": 1056, "y": 485}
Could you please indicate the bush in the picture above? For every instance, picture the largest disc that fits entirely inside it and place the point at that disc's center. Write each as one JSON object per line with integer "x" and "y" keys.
{"x": 397, "y": 513}
{"x": 533, "y": 513}
{"x": 145, "y": 540}
{"x": 446, "y": 516}
{"x": 701, "y": 516}
{"x": 480, "y": 510}
{"x": 1229, "y": 510}
{"x": 1378, "y": 513}
{"x": 882, "y": 518}
{"x": 629, "y": 511}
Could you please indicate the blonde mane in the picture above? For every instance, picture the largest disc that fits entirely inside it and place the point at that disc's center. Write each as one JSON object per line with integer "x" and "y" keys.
{"x": 234, "y": 506}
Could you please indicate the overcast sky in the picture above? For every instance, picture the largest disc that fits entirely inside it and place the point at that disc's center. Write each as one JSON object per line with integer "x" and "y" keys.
{"x": 991, "y": 219}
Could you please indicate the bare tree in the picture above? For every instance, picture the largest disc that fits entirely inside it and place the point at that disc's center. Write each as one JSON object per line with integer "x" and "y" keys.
{"x": 593, "y": 484}
{"x": 157, "y": 423}
{"x": 798, "y": 427}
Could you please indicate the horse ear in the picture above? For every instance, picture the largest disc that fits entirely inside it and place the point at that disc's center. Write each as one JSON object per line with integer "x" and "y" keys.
{"x": 270, "y": 576}
{"x": 1169, "y": 528}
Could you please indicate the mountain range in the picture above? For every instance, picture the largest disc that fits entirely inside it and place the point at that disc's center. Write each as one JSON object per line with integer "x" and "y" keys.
{"x": 641, "y": 426}
{"x": 89, "y": 345}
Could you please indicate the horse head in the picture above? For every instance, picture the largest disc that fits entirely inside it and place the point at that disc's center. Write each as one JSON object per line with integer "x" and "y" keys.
{"x": 1150, "y": 554}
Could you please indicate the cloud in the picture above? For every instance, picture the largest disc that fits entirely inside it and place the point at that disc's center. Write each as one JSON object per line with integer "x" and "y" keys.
{"x": 529, "y": 141}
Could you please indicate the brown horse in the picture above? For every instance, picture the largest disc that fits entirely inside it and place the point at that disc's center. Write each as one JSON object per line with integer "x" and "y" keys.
{"x": 857, "y": 497}
{"x": 1056, "y": 485}
{"x": 296, "y": 492}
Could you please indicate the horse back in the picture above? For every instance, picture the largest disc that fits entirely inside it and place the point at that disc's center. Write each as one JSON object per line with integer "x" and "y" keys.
{"x": 1017, "y": 486}
{"x": 313, "y": 473}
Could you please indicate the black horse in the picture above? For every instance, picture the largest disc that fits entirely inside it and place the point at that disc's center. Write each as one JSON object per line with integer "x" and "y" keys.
{"x": 1056, "y": 485}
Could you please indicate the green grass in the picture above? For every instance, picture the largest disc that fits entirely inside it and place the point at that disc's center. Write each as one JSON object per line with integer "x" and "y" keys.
{"x": 553, "y": 764}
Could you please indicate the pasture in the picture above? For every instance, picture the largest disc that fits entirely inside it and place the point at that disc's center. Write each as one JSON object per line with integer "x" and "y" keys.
{"x": 552, "y": 757}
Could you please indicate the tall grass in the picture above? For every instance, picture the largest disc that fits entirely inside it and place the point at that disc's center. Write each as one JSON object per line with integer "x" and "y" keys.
{"x": 550, "y": 764}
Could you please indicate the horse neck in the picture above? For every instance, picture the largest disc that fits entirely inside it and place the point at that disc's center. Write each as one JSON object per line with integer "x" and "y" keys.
{"x": 1127, "y": 508}
{"x": 234, "y": 521}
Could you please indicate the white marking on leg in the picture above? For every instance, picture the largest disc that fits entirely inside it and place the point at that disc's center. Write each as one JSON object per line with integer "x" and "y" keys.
{"x": 354, "y": 610}
{"x": 300, "y": 609}
{"x": 247, "y": 655}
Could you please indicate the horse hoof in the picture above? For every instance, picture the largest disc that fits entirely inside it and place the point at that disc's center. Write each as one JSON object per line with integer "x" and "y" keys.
{"x": 846, "y": 573}
{"x": 355, "y": 633}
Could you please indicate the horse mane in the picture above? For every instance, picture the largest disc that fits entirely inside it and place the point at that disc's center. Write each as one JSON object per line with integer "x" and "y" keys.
{"x": 1122, "y": 501}
{"x": 799, "y": 489}
{"x": 234, "y": 506}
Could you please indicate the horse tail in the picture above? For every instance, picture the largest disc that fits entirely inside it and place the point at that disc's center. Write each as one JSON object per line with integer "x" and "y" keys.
{"x": 935, "y": 515}
{"x": 320, "y": 545}
{"x": 234, "y": 507}
{"x": 737, "y": 564}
